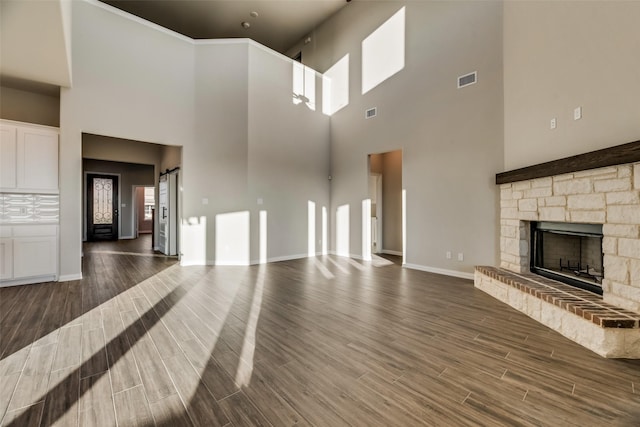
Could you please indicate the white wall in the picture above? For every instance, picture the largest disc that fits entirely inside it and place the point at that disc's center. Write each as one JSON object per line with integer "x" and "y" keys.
{"x": 130, "y": 81}
{"x": 559, "y": 55}
{"x": 288, "y": 157}
{"x": 224, "y": 103}
{"x": 137, "y": 82}
{"x": 451, "y": 139}
{"x": 215, "y": 166}
{"x": 256, "y": 145}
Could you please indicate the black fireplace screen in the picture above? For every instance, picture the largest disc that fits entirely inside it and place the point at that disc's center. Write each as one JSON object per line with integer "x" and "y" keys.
{"x": 568, "y": 252}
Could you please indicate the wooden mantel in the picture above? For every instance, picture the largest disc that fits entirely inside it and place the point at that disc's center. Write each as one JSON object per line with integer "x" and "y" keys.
{"x": 617, "y": 155}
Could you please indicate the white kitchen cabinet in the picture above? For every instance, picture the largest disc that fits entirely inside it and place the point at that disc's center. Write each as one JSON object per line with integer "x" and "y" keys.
{"x": 29, "y": 254}
{"x": 6, "y": 258}
{"x": 34, "y": 256}
{"x": 8, "y": 148}
{"x": 29, "y": 158}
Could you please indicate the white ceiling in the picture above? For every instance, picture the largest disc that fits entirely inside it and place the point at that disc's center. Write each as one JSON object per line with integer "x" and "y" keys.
{"x": 279, "y": 24}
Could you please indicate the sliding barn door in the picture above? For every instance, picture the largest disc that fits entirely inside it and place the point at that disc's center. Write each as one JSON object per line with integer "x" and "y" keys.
{"x": 167, "y": 217}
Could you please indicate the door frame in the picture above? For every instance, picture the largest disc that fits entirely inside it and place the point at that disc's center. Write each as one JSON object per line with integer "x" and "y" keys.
{"x": 86, "y": 202}
{"x": 379, "y": 207}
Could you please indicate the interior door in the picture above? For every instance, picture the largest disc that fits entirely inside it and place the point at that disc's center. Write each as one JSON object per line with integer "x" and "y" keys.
{"x": 102, "y": 207}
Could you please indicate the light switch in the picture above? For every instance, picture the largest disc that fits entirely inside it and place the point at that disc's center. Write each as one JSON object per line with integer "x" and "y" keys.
{"x": 552, "y": 123}
{"x": 577, "y": 113}
{"x": 205, "y": 201}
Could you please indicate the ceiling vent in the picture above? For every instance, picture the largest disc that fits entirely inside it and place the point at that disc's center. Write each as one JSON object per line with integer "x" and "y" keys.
{"x": 467, "y": 79}
{"x": 371, "y": 113}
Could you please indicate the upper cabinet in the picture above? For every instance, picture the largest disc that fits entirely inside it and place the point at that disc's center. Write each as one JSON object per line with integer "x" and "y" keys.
{"x": 28, "y": 158}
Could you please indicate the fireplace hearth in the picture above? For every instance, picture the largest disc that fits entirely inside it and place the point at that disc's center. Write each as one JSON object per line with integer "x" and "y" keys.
{"x": 568, "y": 252}
{"x": 600, "y": 192}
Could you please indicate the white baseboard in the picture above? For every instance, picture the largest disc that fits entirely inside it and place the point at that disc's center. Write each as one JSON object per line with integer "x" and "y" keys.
{"x": 184, "y": 263}
{"x": 257, "y": 262}
{"x": 227, "y": 263}
{"x": 284, "y": 258}
{"x": 126, "y": 237}
{"x": 70, "y": 277}
{"x": 27, "y": 281}
{"x": 443, "y": 271}
{"x": 354, "y": 256}
{"x": 390, "y": 252}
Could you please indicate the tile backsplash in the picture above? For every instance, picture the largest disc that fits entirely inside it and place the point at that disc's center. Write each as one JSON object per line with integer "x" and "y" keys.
{"x": 37, "y": 208}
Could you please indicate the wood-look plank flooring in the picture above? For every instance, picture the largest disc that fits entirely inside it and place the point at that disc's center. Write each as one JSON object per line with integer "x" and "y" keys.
{"x": 325, "y": 341}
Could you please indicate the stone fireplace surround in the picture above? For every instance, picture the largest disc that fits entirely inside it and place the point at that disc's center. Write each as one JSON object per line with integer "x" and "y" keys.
{"x": 606, "y": 195}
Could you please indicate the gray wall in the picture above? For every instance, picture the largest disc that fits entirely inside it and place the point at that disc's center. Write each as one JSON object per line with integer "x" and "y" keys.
{"x": 451, "y": 139}
{"x": 559, "y": 55}
{"x": 29, "y": 106}
{"x": 130, "y": 174}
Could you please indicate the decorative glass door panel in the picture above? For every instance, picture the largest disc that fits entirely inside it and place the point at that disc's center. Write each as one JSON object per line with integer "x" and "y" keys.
{"x": 102, "y": 207}
{"x": 102, "y": 200}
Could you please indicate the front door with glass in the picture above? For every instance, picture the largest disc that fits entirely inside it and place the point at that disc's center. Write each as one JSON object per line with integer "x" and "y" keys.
{"x": 102, "y": 207}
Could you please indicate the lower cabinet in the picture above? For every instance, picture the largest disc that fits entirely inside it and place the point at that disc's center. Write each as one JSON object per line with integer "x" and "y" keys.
{"x": 29, "y": 254}
{"x": 6, "y": 258}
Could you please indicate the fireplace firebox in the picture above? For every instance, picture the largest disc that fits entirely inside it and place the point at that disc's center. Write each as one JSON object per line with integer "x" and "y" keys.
{"x": 568, "y": 252}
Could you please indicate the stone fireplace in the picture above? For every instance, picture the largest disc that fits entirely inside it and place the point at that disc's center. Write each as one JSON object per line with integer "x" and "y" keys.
{"x": 602, "y": 200}
{"x": 608, "y": 196}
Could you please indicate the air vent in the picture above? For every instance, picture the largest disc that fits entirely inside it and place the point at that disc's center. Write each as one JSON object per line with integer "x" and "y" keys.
{"x": 467, "y": 79}
{"x": 371, "y": 113}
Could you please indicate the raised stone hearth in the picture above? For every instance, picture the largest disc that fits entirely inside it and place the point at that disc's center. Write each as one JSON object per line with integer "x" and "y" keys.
{"x": 609, "y": 196}
{"x": 577, "y": 314}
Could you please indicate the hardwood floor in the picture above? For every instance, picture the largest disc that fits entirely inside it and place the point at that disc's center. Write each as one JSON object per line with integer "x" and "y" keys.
{"x": 324, "y": 341}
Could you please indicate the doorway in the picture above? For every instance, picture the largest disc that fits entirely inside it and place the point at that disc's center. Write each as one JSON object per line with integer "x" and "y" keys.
{"x": 385, "y": 193}
{"x": 102, "y": 207}
{"x": 145, "y": 200}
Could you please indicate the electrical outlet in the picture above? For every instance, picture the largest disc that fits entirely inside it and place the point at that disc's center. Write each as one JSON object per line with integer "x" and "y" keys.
{"x": 448, "y": 254}
{"x": 553, "y": 124}
{"x": 460, "y": 256}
